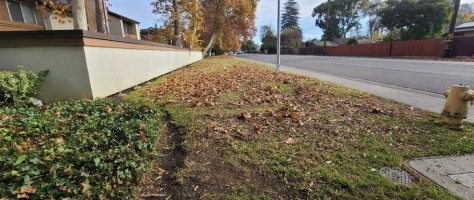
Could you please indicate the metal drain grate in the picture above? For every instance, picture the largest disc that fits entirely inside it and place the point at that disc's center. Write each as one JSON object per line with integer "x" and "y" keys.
{"x": 397, "y": 175}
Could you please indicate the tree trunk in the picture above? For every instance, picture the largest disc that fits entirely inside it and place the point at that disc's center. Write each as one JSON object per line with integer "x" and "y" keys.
{"x": 194, "y": 29}
{"x": 176, "y": 33}
{"x": 209, "y": 45}
{"x": 79, "y": 14}
{"x": 100, "y": 15}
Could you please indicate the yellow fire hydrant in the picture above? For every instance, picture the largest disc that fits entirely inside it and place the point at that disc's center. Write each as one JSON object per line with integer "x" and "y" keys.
{"x": 457, "y": 105}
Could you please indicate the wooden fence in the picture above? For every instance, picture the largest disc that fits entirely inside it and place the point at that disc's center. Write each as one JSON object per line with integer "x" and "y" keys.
{"x": 463, "y": 47}
{"x": 373, "y": 50}
{"x": 422, "y": 48}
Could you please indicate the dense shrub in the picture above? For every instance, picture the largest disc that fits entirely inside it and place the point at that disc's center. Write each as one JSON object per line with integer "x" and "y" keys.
{"x": 77, "y": 149}
{"x": 352, "y": 41}
{"x": 15, "y": 86}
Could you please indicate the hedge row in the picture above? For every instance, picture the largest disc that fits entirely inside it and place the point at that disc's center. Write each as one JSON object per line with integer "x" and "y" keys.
{"x": 76, "y": 149}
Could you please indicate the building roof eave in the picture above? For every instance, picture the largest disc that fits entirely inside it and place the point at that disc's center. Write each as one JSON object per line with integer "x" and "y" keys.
{"x": 123, "y": 17}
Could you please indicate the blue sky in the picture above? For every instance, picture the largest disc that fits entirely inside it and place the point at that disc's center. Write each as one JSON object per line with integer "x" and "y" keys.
{"x": 140, "y": 10}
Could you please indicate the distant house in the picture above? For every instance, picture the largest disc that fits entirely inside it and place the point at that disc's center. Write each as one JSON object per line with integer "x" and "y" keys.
{"x": 339, "y": 41}
{"x": 146, "y": 33}
{"x": 123, "y": 26}
{"x": 465, "y": 29}
{"x": 21, "y": 15}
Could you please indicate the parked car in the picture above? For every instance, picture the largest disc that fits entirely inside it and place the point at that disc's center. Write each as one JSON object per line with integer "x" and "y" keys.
{"x": 239, "y": 52}
{"x": 230, "y": 53}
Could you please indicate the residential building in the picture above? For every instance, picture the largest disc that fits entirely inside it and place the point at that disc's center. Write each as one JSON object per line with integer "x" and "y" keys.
{"x": 123, "y": 26}
{"x": 465, "y": 29}
{"x": 21, "y": 15}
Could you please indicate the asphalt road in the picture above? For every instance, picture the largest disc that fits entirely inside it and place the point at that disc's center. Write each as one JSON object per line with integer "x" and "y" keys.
{"x": 423, "y": 75}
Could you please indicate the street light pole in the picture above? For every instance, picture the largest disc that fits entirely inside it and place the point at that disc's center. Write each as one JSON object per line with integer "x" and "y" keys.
{"x": 278, "y": 39}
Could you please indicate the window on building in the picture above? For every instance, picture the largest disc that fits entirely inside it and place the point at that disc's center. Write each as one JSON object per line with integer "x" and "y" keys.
{"x": 128, "y": 28}
{"x": 21, "y": 12}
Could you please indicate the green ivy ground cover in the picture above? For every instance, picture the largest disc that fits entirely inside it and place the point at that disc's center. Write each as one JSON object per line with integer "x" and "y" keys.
{"x": 76, "y": 149}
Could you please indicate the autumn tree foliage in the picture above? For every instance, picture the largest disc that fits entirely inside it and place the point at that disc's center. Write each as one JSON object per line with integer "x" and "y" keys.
{"x": 57, "y": 7}
{"x": 62, "y": 7}
{"x": 227, "y": 22}
{"x": 181, "y": 21}
{"x": 208, "y": 23}
{"x": 465, "y": 13}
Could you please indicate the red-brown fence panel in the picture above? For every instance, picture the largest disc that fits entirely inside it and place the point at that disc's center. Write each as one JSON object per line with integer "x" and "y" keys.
{"x": 463, "y": 46}
{"x": 431, "y": 47}
{"x": 291, "y": 51}
{"x": 373, "y": 50}
{"x": 311, "y": 50}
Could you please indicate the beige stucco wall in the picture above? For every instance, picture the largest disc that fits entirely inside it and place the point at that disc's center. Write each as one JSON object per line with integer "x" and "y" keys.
{"x": 93, "y": 72}
{"x": 68, "y": 77}
{"x": 114, "y": 69}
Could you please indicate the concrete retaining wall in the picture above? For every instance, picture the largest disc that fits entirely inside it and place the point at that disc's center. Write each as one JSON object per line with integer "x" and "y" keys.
{"x": 113, "y": 69}
{"x": 87, "y": 66}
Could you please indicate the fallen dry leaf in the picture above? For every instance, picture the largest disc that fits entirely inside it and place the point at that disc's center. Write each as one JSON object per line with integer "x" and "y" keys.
{"x": 290, "y": 141}
{"x": 109, "y": 109}
{"x": 29, "y": 189}
{"x": 57, "y": 113}
{"x": 161, "y": 171}
{"x": 60, "y": 140}
{"x": 22, "y": 196}
{"x": 85, "y": 186}
{"x": 211, "y": 127}
{"x": 63, "y": 121}
{"x": 119, "y": 111}
{"x": 83, "y": 116}
{"x": 246, "y": 116}
{"x": 279, "y": 116}
{"x": 294, "y": 115}
{"x": 4, "y": 117}
{"x": 258, "y": 127}
{"x": 143, "y": 136}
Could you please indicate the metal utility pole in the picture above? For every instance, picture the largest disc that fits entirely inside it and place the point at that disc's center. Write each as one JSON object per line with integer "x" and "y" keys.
{"x": 327, "y": 25}
{"x": 449, "y": 41}
{"x": 278, "y": 39}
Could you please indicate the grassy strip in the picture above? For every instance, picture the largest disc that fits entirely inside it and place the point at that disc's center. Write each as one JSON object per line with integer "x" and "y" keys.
{"x": 76, "y": 150}
{"x": 265, "y": 134}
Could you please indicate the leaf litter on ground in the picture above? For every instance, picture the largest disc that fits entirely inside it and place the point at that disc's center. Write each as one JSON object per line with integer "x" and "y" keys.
{"x": 260, "y": 132}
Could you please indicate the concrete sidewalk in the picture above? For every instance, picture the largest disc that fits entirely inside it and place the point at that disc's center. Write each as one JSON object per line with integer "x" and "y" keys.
{"x": 420, "y": 99}
{"x": 455, "y": 173}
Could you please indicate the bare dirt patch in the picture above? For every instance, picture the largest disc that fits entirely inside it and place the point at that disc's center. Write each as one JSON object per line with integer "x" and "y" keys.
{"x": 160, "y": 182}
